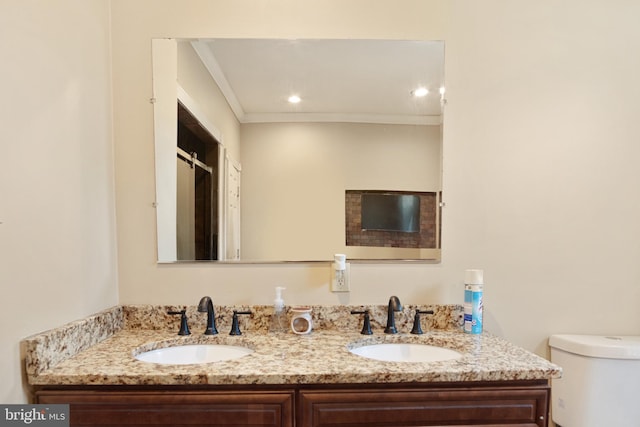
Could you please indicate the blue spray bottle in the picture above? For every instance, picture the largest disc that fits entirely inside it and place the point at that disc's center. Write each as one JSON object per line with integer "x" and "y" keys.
{"x": 473, "y": 287}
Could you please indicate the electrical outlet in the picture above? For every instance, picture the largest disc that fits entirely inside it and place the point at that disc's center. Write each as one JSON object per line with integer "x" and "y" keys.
{"x": 340, "y": 282}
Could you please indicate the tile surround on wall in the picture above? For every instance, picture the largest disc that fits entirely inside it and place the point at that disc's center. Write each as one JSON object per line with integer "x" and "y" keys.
{"x": 356, "y": 236}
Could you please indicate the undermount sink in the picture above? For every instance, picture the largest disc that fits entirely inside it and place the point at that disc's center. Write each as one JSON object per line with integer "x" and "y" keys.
{"x": 405, "y": 352}
{"x": 193, "y": 354}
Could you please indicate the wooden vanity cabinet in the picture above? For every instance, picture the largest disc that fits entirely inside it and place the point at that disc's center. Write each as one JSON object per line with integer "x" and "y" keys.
{"x": 507, "y": 404}
{"x": 490, "y": 406}
{"x": 174, "y": 408}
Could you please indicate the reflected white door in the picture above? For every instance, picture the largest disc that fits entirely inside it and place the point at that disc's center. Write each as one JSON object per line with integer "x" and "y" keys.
{"x": 232, "y": 216}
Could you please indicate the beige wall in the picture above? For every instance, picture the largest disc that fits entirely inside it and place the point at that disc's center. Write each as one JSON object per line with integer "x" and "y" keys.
{"x": 294, "y": 177}
{"x": 142, "y": 280}
{"x": 197, "y": 82}
{"x": 179, "y": 72}
{"x": 540, "y": 164}
{"x": 57, "y": 211}
{"x": 540, "y": 161}
{"x": 539, "y": 147}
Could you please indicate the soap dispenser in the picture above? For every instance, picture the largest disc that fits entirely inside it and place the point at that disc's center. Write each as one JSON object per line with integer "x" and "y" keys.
{"x": 279, "y": 319}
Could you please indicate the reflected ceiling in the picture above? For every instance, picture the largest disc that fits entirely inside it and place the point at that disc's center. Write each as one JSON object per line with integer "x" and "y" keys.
{"x": 333, "y": 78}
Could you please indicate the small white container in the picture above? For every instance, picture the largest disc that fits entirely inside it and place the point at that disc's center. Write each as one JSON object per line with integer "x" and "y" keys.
{"x": 301, "y": 322}
{"x": 600, "y": 383}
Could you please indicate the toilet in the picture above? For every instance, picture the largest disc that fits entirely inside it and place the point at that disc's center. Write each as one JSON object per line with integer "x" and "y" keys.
{"x": 600, "y": 384}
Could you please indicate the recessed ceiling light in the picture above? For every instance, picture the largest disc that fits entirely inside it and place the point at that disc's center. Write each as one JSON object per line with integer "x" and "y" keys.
{"x": 442, "y": 90}
{"x": 294, "y": 99}
{"x": 420, "y": 92}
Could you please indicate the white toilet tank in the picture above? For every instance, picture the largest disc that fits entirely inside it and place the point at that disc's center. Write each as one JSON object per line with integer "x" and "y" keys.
{"x": 600, "y": 384}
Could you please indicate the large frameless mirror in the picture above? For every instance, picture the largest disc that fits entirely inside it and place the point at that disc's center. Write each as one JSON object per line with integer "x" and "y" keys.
{"x": 294, "y": 150}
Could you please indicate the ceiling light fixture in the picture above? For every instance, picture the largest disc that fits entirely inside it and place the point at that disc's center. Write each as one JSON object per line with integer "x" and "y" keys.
{"x": 420, "y": 92}
{"x": 294, "y": 99}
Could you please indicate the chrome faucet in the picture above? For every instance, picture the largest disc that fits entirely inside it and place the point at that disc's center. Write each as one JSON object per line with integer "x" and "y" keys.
{"x": 394, "y": 305}
{"x": 206, "y": 306}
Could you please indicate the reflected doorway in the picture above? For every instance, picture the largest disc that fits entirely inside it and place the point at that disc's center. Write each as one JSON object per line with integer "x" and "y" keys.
{"x": 197, "y": 211}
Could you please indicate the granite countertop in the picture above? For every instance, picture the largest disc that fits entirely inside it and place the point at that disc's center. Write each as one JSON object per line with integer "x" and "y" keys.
{"x": 285, "y": 358}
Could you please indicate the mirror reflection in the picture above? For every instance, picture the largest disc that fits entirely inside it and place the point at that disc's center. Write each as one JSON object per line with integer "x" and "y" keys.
{"x": 261, "y": 145}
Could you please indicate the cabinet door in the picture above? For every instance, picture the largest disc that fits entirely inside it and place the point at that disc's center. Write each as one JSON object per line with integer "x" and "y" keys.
{"x": 424, "y": 407}
{"x": 171, "y": 408}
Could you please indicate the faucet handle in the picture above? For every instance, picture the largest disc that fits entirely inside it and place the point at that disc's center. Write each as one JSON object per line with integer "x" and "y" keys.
{"x": 417, "y": 329}
{"x": 184, "y": 326}
{"x": 235, "y": 326}
{"x": 366, "y": 326}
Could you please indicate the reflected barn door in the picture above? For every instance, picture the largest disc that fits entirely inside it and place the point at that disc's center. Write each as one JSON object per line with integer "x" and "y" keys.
{"x": 185, "y": 212}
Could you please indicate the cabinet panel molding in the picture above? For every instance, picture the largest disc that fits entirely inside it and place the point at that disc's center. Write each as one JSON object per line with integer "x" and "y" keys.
{"x": 507, "y": 404}
{"x": 169, "y": 408}
{"x": 464, "y": 407}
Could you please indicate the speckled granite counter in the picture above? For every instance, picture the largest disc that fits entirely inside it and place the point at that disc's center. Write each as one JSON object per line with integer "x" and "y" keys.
{"x": 67, "y": 356}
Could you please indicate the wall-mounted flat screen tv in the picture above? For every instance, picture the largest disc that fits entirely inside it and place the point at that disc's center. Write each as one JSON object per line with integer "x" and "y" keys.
{"x": 391, "y": 212}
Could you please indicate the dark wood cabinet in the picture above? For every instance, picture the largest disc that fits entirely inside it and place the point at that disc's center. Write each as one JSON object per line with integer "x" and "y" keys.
{"x": 424, "y": 407}
{"x": 507, "y": 404}
{"x": 175, "y": 408}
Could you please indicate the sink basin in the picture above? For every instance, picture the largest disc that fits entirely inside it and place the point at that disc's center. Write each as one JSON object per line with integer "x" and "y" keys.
{"x": 193, "y": 354}
{"x": 403, "y": 352}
